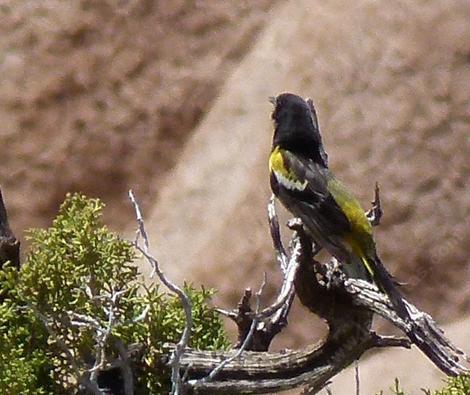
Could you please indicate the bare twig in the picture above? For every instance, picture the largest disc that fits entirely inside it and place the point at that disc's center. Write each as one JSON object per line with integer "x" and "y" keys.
{"x": 389, "y": 341}
{"x": 186, "y": 303}
{"x": 356, "y": 377}
{"x": 282, "y": 306}
{"x": 314, "y": 112}
{"x": 279, "y": 310}
{"x": 9, "y": 245}
{"x": 374, "y": 215}
{"x": 421, "y": 329}
{"x": 244, "y": 320}
{"x": 276, "y": 235}
{"x": 79, "y": 376}
{"x": 273, "y": 318}
{"x": 287, "y": 288}
{"x": 227, "y": 313}
{"x": 211, "y": 376}
{"x": 141, "y": 228}
{"x": 102, "y": 336}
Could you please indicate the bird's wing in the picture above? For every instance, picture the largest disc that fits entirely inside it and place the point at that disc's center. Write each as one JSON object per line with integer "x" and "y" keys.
{"x": 306, "y": 183}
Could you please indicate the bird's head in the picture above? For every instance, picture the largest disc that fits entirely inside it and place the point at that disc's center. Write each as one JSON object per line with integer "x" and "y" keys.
{"x": 289, "y": 108}
{"x": 296, "y": 126}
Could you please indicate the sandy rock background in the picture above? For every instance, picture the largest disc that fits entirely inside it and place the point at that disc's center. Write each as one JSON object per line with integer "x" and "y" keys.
{"x": 170, "y": 98}
{"x": 378, "y": 371}
{"x": 101, "y": 95}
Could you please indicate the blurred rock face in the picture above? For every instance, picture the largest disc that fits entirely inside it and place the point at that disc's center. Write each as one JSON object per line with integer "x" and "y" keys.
{"x": 414, "y": 371}
{"x": 377, "y": 372}
{"x": 101, "y": 96}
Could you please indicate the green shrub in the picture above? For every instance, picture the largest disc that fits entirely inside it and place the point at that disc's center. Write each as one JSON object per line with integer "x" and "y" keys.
{"x": 454, "y": 386}
{"x": 70, "y": 275}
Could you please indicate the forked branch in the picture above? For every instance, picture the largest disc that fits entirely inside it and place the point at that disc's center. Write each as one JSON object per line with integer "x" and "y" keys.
{"x": 347, "y": 305}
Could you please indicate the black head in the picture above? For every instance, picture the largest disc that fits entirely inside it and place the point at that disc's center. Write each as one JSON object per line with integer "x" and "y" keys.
{"x": 296, "y": 127}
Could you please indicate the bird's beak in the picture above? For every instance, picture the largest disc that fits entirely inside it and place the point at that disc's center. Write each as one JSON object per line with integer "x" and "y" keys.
{"x": 272, "y": 100}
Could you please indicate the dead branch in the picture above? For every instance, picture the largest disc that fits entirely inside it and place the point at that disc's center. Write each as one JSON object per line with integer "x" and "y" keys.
{"x": 82, "y": 378}
{"x": 180, "y": 348}
{"x": 349, "y": 337}
{"x": 254, "y": 372}
{"x": 422, "y": 330}
{"x": 273, "y": 318}
{"x": 374, "y": 215}
{"x": 9, "y": 245}
{"x": 347, "y": 305}
{"x": 243, "y": 346}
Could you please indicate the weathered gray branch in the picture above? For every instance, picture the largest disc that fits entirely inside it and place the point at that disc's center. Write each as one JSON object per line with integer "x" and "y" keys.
{"x": 9, "y": 245}
{"x": 339, "y": 302}
{"x": 348, "y": 306}
{"x": 348, "y": 338}
{"x": 374, "y": 215}
{"x": 253, "y": 372}
{"x": 176, "y": 377}
{"x": 272, "y": 319}
{"x": 423, "y": 331}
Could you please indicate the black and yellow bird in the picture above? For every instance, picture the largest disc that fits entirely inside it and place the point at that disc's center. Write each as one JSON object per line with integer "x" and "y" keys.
{"x": 302, "y": 181}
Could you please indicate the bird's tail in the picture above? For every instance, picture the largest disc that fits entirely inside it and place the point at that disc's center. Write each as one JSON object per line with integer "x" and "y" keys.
{"x": 373, "y": 270}
{"x": 384, "y": 280}
{"x": 358, "y": 268}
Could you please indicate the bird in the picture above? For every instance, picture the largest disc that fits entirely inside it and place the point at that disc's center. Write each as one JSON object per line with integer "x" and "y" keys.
{"x": 301, "y": 179}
